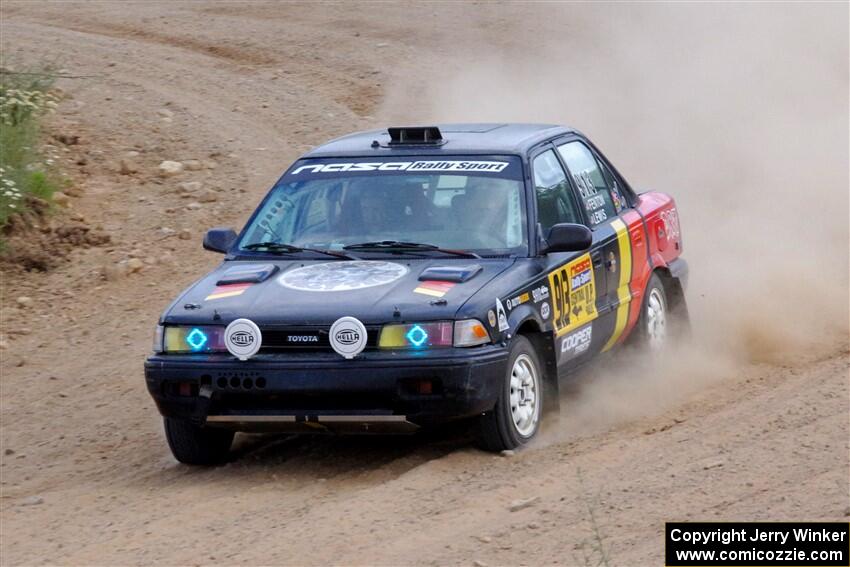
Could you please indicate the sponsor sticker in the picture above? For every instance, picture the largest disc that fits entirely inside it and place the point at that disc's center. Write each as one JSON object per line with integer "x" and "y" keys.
{"x": 243, "y": 338}
{"x": 544, "y": 310}
{"x": 670, "y": 218}
{"x": 518, "y": 300}
{"x": 576, "y": 343}
{"x": 348, "y": 337}
{"x": 580, "y": 274}
{"x": 434, "y": 288}
{"x": 501, "y": 316}
{"x": 615, "y": 197}
{"x": 540, "y": 293}
{"x": 573, "y": 295}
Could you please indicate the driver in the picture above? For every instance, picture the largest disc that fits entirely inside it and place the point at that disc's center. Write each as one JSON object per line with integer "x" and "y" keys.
{"x": 484, "y": 207}
{"x": 371, "y": 197}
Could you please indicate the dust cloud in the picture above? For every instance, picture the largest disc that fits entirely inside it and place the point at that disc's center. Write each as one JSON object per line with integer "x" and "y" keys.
{"x": 740, "y": 111}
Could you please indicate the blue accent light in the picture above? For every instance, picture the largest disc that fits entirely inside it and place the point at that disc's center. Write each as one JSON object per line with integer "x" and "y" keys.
{"x": 196, "y": 339}
{"x": 416, "y": 336}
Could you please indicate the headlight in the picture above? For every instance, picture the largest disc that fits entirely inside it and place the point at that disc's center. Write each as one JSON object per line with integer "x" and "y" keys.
{"x": 201, "y": 338}
{"x": 470, "y": 332}
{"x": 416, "y": 335}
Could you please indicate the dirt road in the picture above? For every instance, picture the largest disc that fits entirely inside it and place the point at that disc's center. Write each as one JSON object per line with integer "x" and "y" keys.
{"x": 752, "y": 432}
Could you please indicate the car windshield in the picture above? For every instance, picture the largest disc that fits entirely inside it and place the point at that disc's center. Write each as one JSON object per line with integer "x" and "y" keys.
{"x": 378, "y": 207}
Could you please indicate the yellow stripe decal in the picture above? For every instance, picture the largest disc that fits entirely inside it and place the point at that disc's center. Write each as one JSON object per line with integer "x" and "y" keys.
{"x": 624, "y": 295}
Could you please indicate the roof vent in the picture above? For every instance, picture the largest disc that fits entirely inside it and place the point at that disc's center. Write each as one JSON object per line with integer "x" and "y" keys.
{"x": 415, "y": 135}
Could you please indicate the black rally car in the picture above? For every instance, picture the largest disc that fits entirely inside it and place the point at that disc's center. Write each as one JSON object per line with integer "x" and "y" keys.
{"x": 403, "y": 277}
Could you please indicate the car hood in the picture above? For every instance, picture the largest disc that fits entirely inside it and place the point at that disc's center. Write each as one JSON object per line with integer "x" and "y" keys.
{"x": 320, "y": 292}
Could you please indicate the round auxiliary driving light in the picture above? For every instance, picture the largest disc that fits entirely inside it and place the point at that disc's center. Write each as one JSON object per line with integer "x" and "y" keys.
{"x": 243, "y": 338}
{"x": 348, "y": 336}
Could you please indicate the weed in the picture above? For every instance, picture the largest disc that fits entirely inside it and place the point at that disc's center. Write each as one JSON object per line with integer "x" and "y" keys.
{"x": 25, "y": 98}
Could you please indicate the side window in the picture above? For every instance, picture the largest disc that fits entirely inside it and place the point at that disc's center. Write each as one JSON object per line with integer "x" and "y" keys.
{"x": 592, "y": 187}
{"x": 617, "y": 197}
{"x": 554, "y": 198}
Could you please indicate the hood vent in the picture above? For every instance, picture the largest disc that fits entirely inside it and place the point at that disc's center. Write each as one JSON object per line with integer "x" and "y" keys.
{"x": 247, "y": 273}
{"x": 455, "y": 274}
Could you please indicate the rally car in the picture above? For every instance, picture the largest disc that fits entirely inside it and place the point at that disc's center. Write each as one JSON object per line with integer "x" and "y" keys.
{"x": 399, "y": 278}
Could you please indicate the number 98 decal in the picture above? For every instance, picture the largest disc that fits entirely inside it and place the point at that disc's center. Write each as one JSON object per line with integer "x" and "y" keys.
{"x": 573, "y": 294}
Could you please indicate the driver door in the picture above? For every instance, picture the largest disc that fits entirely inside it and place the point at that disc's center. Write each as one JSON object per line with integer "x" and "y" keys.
{"x": 577, "y": 280}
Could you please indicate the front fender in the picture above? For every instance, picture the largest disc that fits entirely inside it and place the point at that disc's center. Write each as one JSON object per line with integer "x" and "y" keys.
{"x": 521, "y": 315}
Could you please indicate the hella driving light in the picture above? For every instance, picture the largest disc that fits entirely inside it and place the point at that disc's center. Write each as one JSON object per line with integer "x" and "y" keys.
{"x": 470, "y": 332}
{"x": 200, "y": 338}
{"x": 416, "y": 335}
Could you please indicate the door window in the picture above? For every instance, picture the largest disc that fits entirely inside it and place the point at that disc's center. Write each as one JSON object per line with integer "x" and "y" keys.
{"x": 554, "y": 198}
{"x": 594, "y": 192}
{"x": 617, "y": 197}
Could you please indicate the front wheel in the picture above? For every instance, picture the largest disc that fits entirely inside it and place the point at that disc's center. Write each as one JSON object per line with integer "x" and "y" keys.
{"x": 194, "y": 445}
{"x": 515, "y": 419}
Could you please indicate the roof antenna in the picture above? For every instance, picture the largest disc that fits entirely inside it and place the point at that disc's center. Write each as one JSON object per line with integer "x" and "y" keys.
{"x": 376, "y": 144}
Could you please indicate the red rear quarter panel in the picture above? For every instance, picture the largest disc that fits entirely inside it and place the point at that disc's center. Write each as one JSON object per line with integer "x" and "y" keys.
{"x": 662, "y": 223}
{"x": 660, "y": 240}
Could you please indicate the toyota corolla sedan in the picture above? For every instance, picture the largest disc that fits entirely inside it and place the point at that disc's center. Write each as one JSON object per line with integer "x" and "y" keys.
{"x": 400, "y": 278}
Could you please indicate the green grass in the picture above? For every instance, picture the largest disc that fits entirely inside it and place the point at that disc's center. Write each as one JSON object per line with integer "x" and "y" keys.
{"x": 24, "y": 100}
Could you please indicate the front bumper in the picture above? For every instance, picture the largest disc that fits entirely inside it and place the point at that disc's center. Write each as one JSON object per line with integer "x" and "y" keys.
{"x": 377, "y": 391}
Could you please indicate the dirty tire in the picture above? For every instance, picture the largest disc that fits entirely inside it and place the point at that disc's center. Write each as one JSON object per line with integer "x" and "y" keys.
{"x": 653, "y": 329}
{"x": 515, "y": 419}
{"x": 195, "y": 445}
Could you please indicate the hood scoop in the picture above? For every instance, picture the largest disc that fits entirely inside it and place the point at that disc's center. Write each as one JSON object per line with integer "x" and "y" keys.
{"x": 455, "y": 274}
{"x": 247, "y": 273}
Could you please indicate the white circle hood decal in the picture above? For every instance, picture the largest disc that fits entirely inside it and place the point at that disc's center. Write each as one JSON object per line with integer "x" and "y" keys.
{"x": 243, "y": 338}
{"x": 348, "y": 336}
{"x": 342, "y": 276}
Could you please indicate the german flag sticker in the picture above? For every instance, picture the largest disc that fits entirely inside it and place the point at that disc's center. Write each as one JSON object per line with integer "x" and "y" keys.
{"x": 434, "y": 288}
{"x": 228, "y": 290}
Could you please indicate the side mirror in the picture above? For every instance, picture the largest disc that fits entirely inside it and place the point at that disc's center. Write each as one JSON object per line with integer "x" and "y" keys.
{"x": 567, "y": 237}
{"x": 219, "y": 239}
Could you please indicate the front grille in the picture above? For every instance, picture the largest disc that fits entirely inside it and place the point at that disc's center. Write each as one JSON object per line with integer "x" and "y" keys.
{"x": 306, "y": 339}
